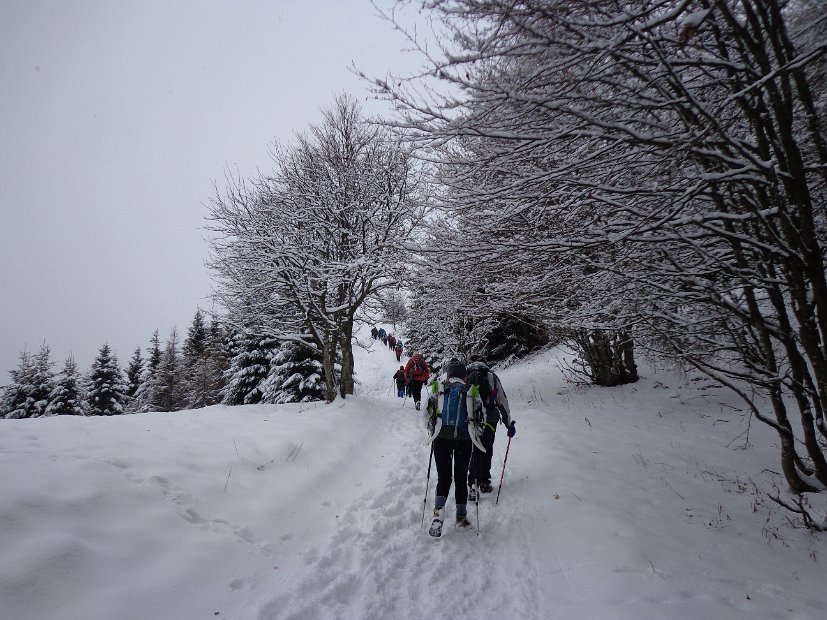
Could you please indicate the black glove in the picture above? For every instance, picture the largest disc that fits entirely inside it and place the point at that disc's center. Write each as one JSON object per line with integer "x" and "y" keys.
{"x": 512, "y": 429}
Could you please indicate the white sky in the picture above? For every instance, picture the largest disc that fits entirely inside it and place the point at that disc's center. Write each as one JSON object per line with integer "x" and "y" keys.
{"x": 116, "y": 117}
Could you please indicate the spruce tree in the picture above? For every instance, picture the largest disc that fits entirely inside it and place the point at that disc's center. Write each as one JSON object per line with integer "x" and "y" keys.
{"x": 168, "y": 386}
{"x": 218, "y": 362}
{"x": 134, "y": 380}
{"x": 248, "y": 369}
{"x": 67, "y": 397}
{"x": 106, "y": 389}
{"x": 144, "y": 396}
{"x": 43, "y": 381}
{"x": 296, "y": 375}
{"x": 18, "y": 401}
{"x": 196, "y": 362}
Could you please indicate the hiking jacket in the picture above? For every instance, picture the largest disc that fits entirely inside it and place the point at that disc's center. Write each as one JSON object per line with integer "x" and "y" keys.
{"x": 413, "y": 374}
{"x": 400, "y": 378}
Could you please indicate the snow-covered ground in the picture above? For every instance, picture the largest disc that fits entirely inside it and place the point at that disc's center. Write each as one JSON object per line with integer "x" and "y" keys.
{"x": 635, "y": 502}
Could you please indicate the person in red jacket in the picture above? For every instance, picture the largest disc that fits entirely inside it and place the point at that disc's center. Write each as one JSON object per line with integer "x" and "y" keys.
{"x": 417, "y": 373}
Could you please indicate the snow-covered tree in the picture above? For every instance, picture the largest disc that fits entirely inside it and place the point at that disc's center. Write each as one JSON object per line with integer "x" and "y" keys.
{"x": 106, "y": 390}
{"x": 298, "y": 252}
{"x": 248, "y": 369}
{"x": 67, "y": 398}
{"x": 668, "y": 160}
{"x": 134, "y": 376}
{"x": 205, "y": 362}
{"x": 295, "y": 375}
{"x": 18, "y": 401}
{"x": 394, "y": 307}
{"x": 168, "y": 387}
{"x": 144, "y": 395}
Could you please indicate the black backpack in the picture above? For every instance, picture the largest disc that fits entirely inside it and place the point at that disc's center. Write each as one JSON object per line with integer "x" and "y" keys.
{"x": 480, "y": 377}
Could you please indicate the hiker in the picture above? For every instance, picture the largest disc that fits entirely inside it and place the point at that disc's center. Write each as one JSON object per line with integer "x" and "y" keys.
{"x": 494, "y": 405}
{"x": 448, "y": 425}
{"x": 399, "y": 377}
{"x": 398, "y": 350}
{"x": 374, "y": 333}
{"x": 391, "y": 342}
{"x": 381, "y": 334}
{"x": 417, "y": 372}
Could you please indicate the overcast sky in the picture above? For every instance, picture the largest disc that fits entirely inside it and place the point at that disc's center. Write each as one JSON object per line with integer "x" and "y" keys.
{"x": 115, "y": 119}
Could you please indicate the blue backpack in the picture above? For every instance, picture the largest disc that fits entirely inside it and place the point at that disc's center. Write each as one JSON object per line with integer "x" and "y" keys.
{"x": 455, "y": 409}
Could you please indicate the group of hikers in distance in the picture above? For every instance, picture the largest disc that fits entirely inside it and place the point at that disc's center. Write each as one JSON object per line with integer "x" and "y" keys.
{"x": 465, "y": 404}
{"x": 389, "y": 340}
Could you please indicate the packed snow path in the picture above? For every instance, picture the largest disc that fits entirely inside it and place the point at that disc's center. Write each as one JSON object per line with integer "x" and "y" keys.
{"x": 381, "y": 563}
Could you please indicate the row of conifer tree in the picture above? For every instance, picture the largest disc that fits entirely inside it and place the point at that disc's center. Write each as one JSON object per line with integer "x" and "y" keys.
{"x": 213, "y": 365}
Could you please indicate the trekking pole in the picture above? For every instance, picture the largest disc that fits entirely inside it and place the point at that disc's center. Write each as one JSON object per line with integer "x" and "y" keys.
{"x": 503, "y": 474}
{"x": 427, "y": 484}
{"x": 476, "y": 486}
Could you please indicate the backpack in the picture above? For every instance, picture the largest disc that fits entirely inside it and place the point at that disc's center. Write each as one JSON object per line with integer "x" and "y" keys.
{"x": 418, "y": 368}
{"x": 482, "y": 378}
{"x": 454, "y": 412}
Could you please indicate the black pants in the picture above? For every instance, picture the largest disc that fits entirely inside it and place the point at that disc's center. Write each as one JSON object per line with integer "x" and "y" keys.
{"x": 452, "y": 457}
{"x": 480, "y": 466}
{"x": 416, "y": 390}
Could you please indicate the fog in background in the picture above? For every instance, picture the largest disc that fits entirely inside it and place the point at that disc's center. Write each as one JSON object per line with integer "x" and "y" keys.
{"x": 116, "y": 119}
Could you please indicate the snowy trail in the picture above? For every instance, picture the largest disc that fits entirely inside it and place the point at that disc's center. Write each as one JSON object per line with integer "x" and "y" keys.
{"x": 626, "y": 503}
{"x": 380, "y": 562}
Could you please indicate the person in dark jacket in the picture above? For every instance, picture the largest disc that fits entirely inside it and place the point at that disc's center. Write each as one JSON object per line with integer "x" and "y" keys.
{"x": 398, "y": 350}
{"x": 452, "y": 451}
{"x": 492, "y": 407}
{"x": 417, "y": 372}
{"x": 399, "y": 377}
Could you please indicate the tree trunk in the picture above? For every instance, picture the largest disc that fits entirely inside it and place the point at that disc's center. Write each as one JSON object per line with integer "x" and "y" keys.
{"x": 609, "y": 356}
{"x": 329, "y": 362}
{"x": 347, "y": 385}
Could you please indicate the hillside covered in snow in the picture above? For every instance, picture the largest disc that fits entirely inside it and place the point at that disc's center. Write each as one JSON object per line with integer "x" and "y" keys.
{"x": 642, "y": 501}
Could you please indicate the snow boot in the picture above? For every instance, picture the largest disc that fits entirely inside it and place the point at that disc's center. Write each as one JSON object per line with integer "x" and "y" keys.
{"x": 436, "y": 523}
{"x": 472, "y": 494}
{"x": 463, "y": 522}
{"x": 486, "y": 487}
{"x": 416, "y": 404}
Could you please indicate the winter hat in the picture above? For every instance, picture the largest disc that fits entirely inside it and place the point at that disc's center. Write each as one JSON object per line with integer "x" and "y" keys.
{"x": 455, "y": 369}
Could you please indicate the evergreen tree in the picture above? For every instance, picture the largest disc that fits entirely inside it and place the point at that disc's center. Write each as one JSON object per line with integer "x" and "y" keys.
{"x": 67, "y": 397}
{"x": 18, "y": 401}
{"x": 195, "y": 345}
{"x": 296, "y": 375}
{"x": 106, "y": 389}
{"x": 144, "y": 397}
{"x": 219, "y": 362}
{"x": 206, "y": 376}
{"x": 196, "y": 362}
{"x": 248, "y": 369}
{"x": 168, "y": 386}
{"x": 134, "y": 380}
{"x": 43, "y": 381}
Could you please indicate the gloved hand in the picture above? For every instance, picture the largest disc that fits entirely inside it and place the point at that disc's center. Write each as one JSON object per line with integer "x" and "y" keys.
{"x": 512, "y": 429}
